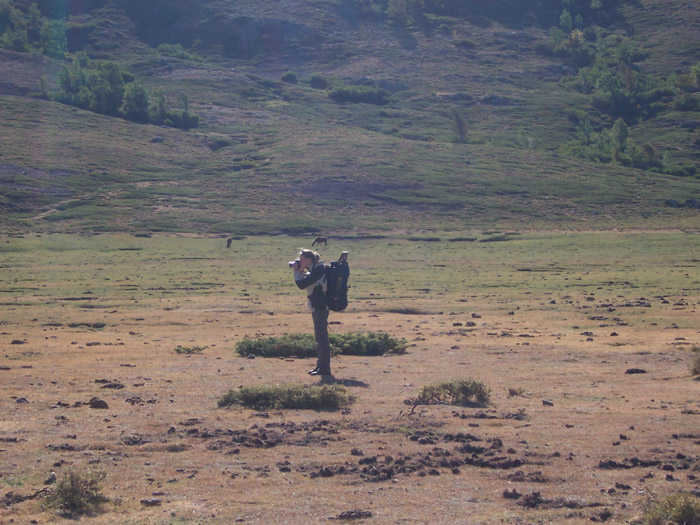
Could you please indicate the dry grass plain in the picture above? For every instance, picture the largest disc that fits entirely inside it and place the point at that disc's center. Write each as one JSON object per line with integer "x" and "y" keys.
{"x": 550, "y": 322}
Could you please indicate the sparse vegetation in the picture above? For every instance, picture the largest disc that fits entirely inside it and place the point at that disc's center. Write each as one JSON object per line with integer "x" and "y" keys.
{"x": 675, "y": 509}
{"x": 461, "y": 392}
{"x": 516, "y": 392}
{"x": 304, "y": 345}
{"x": 78, "y": 493}
{"x": 189, "y": 350}
{"x": 695, "y": 366}
{"x": 303, "y": 397}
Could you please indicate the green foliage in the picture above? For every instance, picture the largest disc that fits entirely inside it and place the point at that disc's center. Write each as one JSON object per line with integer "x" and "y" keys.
{"x": 318, "y": 81}
{"x": 22, "y": 28}
{"x": 676, "y": 509}
{"x": 290, "y": 77}
{"x": 177, "y": 51}
{"x": 53, "y": 41}
{"x": 98, "y": 87}
{"x": 612, "y": 146}
{"x": 361, "y": 94}
{"x": 304, "y": 345}
{"x": 462, "y": 392}
{"x": 189, "y": 350}
{"x": 135, "y": 103}
{"x": 102, "y": 87}
{"x": 77, "y": 493}
{"x": 303, "y": 397}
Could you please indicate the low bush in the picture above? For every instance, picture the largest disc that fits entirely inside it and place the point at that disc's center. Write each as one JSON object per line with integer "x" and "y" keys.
{"x": 695, "y": 367}
{"x": 461, "y": 392}
{"x": 304, "y": 345}
{"x": 363, "y": 94}
{"x": 77, "y": 493}
{"x": 318, "y": 81}
{"x": 304, "y": 397}
{"x": 289, "y": 77}
{"x": 681, "y": 509}
{"x": 189, "y": 349}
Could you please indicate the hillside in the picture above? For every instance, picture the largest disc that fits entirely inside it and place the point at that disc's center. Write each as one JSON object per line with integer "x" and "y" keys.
{"x": 355, "y": 116}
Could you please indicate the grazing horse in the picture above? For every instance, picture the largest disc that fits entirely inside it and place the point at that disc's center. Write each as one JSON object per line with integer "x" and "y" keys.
{"x": 320, "y": 241}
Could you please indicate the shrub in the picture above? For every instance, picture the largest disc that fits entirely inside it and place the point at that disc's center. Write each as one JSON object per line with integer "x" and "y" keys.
{"x": 687, "y": 102}
{"x": 305, "y": 397}
{"x": 289, "y": 77}
{"x": 304, "y": 345}
{"x": 177, "y": 51}
{"x": 462, "y": 392}
{"x": 681, "y": 509}
{"x": 363, "y": 94}
{"x": 189, "y": 350}
{"x": 135, "y": 102}
{"x": 695, "y": 367}
{"x": 318, "y": 81}
{"x": 77, "y": 493}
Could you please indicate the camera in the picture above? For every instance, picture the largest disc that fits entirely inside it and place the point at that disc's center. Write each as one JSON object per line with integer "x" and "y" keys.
{"x": 292, "y": 263}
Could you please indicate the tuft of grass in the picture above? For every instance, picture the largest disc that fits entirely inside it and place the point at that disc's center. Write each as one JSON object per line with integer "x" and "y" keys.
{"x": 516, "y": 392}
{"x": 462, "y": 392}
{"x": 304, "y": 345}
{"x": 695, "y": 366}
{"x": 189, "y": 350}
{"x": 681, "y": 509}
{"x": 304, "y": 397}
{"x": 77, "y": 493}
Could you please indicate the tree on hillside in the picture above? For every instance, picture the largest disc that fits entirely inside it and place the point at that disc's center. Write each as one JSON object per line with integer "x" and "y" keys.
{"x": 135, "y": 105}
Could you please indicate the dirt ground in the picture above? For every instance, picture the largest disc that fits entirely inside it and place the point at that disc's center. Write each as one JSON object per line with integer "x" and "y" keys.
{"x": 593, "y": 414}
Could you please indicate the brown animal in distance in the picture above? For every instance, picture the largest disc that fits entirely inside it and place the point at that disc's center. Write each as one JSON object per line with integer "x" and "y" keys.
{"x": 320, "y": 241}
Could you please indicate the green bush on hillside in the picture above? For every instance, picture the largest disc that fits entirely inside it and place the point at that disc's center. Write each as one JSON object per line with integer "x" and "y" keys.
{"x": 177, "y": 51}
{"x": 289, "y": 77}
{"x": 304, "y": 345}
{"x": 361, "y": 94}
{"x": 24, "y": 29}
{"x": 318, "y": 81}
{"x": 104, "y": 87}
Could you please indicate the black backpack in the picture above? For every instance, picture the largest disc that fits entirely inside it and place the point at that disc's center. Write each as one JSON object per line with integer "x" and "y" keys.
{"x": 337, "y": 274}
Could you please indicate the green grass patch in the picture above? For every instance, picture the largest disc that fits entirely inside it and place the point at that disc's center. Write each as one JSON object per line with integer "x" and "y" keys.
{"x": 303, "y": 397}
{"x": 461, "y": 392}
{"x": 304, "y": 345}
{"x": 681, "y": 509}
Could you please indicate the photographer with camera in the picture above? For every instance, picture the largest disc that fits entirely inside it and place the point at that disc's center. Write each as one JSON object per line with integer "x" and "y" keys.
{"x": 310, "y": 275}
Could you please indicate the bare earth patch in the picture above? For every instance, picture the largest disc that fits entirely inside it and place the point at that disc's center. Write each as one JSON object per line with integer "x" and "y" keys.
{"x": 570, "y": 436}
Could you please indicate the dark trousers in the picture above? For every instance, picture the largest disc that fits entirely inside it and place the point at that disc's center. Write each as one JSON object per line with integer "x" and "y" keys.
{"x": 323, "y": 345}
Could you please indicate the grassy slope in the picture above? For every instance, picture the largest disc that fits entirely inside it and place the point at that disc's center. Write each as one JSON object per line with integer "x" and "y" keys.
{"x": 292, "y": 160}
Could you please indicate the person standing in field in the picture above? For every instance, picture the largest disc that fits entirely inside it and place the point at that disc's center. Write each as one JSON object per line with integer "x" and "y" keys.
{"x": 310, "y": 275}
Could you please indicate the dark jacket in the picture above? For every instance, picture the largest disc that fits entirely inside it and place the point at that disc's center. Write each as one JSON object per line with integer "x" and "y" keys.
{"x": 314, "y": 282}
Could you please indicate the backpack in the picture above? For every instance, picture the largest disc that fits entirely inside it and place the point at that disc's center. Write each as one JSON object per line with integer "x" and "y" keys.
{"x": 337, "y": 274}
